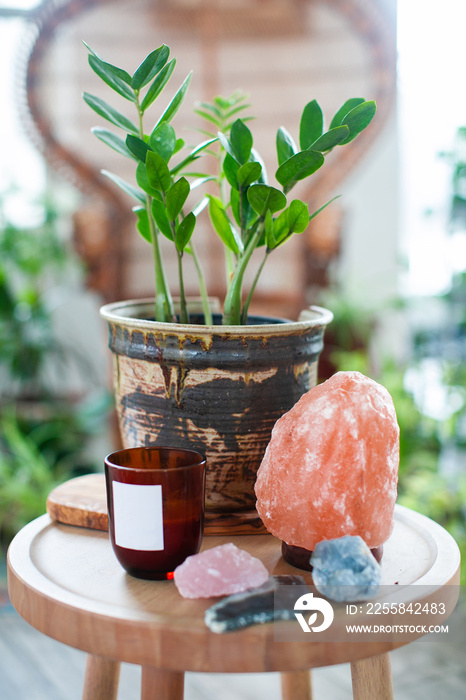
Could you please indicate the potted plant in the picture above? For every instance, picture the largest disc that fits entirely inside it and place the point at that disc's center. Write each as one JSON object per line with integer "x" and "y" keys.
{"x": 184, "y": 375}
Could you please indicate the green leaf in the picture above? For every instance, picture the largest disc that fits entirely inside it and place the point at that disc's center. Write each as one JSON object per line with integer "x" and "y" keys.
{"x": 231, "y": 112}
{"x": 201, "y": 206}
{"x": 201, "y": 181}
{"x": 298, "y": 216}
{"x": 286, "y": 147}
{"x": 241, "y": 141}
{"x": 249, "y": 173}
{"x": 344, "y": 109}
{"x": 116, "y": 78}
{"x": 91, "y": 50}
{"x": 143, "y": 223}
{"x": 159, "y": 213}
{"x": 150, "y": 66}
{"x": 223, "y": 226}
{"x": 359, "y": 118}
{"x": 264, "y": 197}
{"x": 125, "y": 186}
{"x": 312, "y": 216}
{"x": 194, "y": 155}
{"x": 112, "y": 140}
{"x": 163, "y": 140}
{"x": 226, "y": 145}
{"x": 143, "y": 181}
{"x": 179, "y": 144}
{"x": 216, "y": 107}
{"x": 298, "y": 167}
{"x": 208, "y": 117}
{"x": 138, "y": 147}
{"x": 235, "y": 199}
{"x": 176, "y": 198}
{"x": 255, "y": 156}
{"x": 294, "y": 219}
{"x": 230, "y": 170}
{"x": 269, "y": 235}
{"x": 158, "y": 84}
{"x": 184, "y": 231}
{"x": 331, "y": 139}
{"x": 311, "y": 125}
{"x": 231, "y": 102}
{"x": 109, "y": 113}
{"x": 157, "y": 172}
{"x": 244, "y": 215}
{"x": 175, "y": 103}
{"x": 228, "y": 125}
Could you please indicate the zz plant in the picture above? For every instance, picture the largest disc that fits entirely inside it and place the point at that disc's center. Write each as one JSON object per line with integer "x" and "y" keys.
{"x": 247, "y": 212}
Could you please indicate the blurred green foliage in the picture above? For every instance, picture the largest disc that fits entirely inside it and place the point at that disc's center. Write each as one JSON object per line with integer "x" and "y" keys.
{"x": 44, "y": 432}
{"x": 421, "y": 486}
{"x": 31, "y": 259}
{"x": 40, "y": 448}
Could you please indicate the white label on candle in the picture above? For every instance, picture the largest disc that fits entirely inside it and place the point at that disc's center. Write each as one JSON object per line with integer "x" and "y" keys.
{"x": 138, "y": 516}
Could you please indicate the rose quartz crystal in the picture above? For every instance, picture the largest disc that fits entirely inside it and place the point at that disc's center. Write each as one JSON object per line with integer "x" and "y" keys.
{"x": 331, "y": 467}
{"x": 219, "y": 571}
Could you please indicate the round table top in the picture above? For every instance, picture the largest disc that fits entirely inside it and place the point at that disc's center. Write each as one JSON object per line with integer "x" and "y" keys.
{"x": 66, "y": 582}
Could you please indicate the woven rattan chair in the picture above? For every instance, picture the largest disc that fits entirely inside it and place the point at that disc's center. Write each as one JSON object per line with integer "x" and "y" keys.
{"x": 281, "y": 52}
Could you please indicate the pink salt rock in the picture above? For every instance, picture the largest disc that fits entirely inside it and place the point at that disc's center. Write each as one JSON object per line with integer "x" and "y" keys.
{"x": 331, "y": 467}
{"x": 219, "y": 571}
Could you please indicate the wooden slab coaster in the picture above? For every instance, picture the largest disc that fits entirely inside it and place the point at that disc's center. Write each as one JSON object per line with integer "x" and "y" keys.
{"x": 83, "y": 502}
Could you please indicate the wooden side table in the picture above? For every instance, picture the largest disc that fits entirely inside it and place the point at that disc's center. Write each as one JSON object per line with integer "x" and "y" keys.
{"x": 66, "y": 582}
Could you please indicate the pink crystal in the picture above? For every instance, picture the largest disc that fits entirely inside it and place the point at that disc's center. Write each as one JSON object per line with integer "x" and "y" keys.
{"x": 331, "y": 467}
{"x": 219, "y": 571}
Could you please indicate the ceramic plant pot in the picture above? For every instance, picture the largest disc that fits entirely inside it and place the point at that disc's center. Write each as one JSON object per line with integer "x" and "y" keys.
{"x": 215, "y": 389}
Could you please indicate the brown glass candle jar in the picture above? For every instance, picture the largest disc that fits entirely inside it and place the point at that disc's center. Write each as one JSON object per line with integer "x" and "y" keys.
{"x": 155, "y": 498}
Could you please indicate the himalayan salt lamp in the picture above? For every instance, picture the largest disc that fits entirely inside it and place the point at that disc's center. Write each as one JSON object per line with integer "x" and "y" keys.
{"x": 219, "y": 571}
{"x": 331, "y": 467}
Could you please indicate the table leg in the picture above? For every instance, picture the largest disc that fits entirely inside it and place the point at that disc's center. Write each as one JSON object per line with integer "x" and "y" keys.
{"x": 101, "y": 678}
{"x": 296, "y": 685}
{"x": 161, "y": 685}
{"x": 372, "y": 678}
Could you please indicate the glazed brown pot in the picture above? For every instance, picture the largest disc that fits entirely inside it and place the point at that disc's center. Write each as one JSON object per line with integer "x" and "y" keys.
{"x": 215, "y": 389}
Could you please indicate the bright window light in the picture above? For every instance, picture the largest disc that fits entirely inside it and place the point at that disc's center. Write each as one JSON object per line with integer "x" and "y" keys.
{"x": 432, "y": 106}
{"x": 19, "y": 4}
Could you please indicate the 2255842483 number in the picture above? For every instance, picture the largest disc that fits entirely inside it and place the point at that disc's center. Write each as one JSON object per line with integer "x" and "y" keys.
{"x": 418, "y": 608}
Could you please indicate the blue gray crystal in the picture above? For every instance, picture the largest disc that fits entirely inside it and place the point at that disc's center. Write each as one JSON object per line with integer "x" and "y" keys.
{"x": 255, "y": 606}
{"x": 345, "y": 569}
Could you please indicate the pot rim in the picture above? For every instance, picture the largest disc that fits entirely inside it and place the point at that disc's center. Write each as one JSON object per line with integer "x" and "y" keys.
{"x": 125, "y": 312}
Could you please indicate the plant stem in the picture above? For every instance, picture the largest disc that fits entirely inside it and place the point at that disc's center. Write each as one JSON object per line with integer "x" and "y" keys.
{"x": 241, "y": 214}
{"x": 229, "y": 265}
{"x": 244, "y": 313}
{"x": 221, "y": 182}
{"x": 232, "y": 307}
{"x": 184, "y": 316}
{"x": 202, "y": 285}
{"x": 164, "y": 310}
